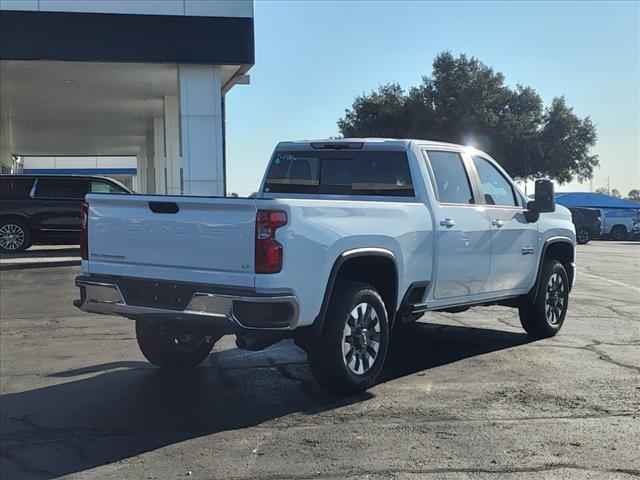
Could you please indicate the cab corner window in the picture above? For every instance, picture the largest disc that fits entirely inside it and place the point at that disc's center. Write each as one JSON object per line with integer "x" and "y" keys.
{"x": 103, "y": 187}
{"x": 451, "y": 181}
{"x": 496, "y": 188}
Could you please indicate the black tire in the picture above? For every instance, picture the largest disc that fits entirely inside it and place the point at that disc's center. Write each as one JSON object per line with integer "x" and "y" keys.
{"x": 545, "y": 317}
{"x": 619, "y": 233}
{"x": 12, "y": 231}
{"x": 169, "y": 350}
{"x": 358, "y": 334}
{"x": 583, "y": 236}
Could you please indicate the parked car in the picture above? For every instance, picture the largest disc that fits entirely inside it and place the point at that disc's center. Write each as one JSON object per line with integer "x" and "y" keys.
{"x": 346, "y": 241}
{"x": 618, "y": 223}
{"x": 588, "y": 224}
{"x": 45, "y": 208}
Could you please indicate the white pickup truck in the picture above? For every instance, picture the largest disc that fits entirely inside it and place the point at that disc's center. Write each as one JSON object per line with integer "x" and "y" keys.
{"x": 347, "y": 240}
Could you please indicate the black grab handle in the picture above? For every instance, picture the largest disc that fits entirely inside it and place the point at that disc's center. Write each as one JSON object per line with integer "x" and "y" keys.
{"x": 164, "y": 207}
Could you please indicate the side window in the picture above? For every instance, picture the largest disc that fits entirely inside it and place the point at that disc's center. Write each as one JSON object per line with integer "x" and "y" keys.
{"x": 451, "y": 179}
{"x": 69, "y": 188}
{"x": 496, "y": 188}
{"x": 15, "y": 188}
{"x": 103, "y": 187}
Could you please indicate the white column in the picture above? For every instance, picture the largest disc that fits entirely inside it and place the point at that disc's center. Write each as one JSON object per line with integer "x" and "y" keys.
{"x": 172, "y": 144}
{"x": 151, "y": 179}
{"x": 141, "y": 169}
{"x": 201, "y": 124}
{"x": 159, "y": 160}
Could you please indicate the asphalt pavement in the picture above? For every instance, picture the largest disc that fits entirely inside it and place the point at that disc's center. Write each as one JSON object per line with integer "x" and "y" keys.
{"x": 464, "y": 396}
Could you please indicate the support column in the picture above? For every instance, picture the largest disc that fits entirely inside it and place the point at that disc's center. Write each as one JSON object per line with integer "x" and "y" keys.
{"x": 159, "y": 159}
{"x": 141, "y": 169}
{"x": 172, "y": 144}
{"x": 201, "y": 130}
{"x": 151, "y": 179}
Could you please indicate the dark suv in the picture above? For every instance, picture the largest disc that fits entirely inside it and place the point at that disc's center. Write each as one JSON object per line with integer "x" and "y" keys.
{"x": 587, "y": 222}
{"x": 45, "y": 208}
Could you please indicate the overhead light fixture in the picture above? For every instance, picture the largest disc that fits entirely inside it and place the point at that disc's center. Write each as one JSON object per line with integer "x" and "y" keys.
{"x": 68, "y": 82}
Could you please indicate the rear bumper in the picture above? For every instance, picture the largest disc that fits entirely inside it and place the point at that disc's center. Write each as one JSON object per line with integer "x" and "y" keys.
{"x": 223, "y": 310}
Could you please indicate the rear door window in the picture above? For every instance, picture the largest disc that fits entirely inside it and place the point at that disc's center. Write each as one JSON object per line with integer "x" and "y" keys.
{"x": 15, "y": 188}
{"x": 340, "y": 173}
{"x": 103, "y": 187}
{"x": 63, "y": 188}
{"x": 451, "y": 180}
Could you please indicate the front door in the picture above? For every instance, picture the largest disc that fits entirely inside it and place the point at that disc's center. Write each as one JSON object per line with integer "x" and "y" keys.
{"x": 463, "y": 233}
{"x": 513, "y": 239}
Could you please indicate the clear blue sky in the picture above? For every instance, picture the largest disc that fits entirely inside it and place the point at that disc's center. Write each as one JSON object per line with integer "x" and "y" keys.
{"x": 313, "y": 58}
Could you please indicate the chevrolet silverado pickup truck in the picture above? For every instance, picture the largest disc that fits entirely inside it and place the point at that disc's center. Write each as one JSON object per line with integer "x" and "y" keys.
{"x": 346, "y": 241}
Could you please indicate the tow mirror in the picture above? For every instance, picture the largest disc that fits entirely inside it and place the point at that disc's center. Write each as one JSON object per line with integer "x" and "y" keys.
{"x": 544, "y": 200}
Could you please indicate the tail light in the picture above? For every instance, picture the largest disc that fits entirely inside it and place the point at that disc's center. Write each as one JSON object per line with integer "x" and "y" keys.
{"x": 268, "y": 250}
{"x": 84, "y": 233}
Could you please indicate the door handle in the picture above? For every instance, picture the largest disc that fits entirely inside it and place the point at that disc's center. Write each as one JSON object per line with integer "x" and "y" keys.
{"x": 448, "y": 222}
{"x": 498, "y": 223}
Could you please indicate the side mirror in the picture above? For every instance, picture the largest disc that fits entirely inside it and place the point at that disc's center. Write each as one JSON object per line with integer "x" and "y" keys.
{"x": 544, "y": 200}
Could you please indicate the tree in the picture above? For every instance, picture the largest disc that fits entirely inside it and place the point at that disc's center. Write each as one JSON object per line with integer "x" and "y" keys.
{"x": 616, "y": 193}
{"x": 465, "y": 101}
{"x": 602, "y": 191}
{"x": 634, "y": 194}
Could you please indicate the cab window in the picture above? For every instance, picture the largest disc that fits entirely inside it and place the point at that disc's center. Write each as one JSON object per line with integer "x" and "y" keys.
{"x": 496, "y": 188}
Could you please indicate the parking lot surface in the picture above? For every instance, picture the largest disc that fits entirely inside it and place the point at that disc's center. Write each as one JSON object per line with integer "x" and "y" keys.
{"x": 466, "y": 396}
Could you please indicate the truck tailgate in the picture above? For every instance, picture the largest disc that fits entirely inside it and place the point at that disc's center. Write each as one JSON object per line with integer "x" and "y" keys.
{"x": 195, "y": 239}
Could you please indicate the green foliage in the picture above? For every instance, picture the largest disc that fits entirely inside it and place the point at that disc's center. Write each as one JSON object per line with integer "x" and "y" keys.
{"x": 465, "y": 101}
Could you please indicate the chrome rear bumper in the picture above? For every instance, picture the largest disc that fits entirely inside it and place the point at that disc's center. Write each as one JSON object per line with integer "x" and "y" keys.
{"x": 257, "y": 312}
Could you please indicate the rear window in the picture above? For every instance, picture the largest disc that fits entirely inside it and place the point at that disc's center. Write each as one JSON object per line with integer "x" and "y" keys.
{"x": 103, "y": 187}
{"x": 74, "y": 188}
{"x": 15, "y": 188}
{"x": 340, "y": 173}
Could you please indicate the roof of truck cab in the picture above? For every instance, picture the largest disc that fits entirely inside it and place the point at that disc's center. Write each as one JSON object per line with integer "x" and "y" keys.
{"x": 369, "y": 143}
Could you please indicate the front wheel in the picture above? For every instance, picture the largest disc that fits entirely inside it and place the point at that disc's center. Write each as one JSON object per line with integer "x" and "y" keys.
{"x": 545, "y": 317}
{"x": 14, "y": 236}
{"x": 171, "y": 350}
{"x": 351, "y": 350}
{"x": 583, "y": 236}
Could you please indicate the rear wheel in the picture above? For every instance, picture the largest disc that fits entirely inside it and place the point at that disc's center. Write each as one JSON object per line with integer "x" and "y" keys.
{"x": 545, "y": 317}
{"x": 168, "y": 349}
{"x": 350, "y": 353}
{"x": 583, "y": 236}
{"x": 618, "y": 233}
{"x": 14, "y": 236}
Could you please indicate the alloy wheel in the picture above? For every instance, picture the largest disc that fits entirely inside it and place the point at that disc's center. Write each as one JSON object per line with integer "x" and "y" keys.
{"x": 555, "y": 299}
{"x": 361, "y": 339}
{"x": 12, "y": 236}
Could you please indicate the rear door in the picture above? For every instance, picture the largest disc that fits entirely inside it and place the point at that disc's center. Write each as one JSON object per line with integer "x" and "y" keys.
{"x": 463, "y": 241}
{"x": 513, "y": 239}
{"x": 58, "y": 205}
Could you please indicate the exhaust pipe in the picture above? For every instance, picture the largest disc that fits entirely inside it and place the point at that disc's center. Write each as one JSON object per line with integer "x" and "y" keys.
{"x": 259, "y": 340}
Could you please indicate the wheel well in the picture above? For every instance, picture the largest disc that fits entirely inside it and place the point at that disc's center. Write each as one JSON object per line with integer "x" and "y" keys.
{"x": 13, "y": 216}
{"x": 563, "y": 252}
{"x": 619, "y": 227}
{"x": 379, "y": 271}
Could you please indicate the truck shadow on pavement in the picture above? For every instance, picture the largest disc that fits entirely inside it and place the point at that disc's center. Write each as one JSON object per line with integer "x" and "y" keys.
{"x": 118, "y": 410}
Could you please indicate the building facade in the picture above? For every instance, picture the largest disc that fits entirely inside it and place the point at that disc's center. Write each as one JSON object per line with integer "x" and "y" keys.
{"x": 107, "y": 78}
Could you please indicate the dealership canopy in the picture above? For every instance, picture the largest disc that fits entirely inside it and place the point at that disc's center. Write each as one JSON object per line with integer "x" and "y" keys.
{"x": 594, "y": 200}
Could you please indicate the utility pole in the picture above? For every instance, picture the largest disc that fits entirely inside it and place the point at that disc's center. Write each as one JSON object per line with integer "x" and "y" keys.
{"x": 608, "y": 187}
